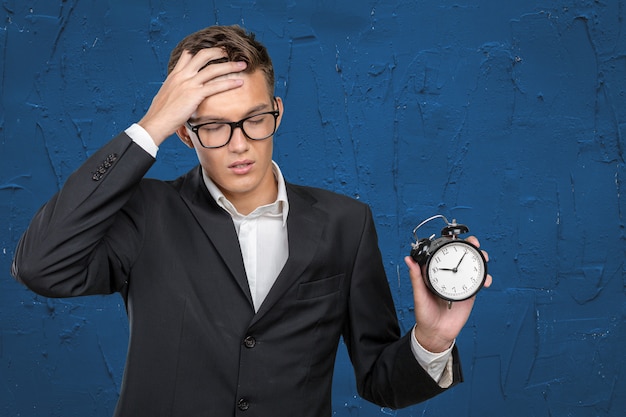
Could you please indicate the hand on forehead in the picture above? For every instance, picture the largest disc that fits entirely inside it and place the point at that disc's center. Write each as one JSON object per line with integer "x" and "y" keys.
{"x": 214, "y": 61}
{"x": 220, "y": 60}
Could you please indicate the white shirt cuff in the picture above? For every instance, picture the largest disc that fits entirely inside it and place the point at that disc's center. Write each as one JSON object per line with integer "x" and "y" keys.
{"x": 437, "y": 365}
{"x": 142, "y": 138}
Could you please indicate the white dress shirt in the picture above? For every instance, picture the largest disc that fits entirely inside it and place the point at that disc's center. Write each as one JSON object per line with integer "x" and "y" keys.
{"x": 262, "y": 237}
{"x": 264, "y": 246}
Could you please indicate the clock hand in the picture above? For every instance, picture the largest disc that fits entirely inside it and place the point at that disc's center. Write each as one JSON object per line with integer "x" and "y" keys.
{"x": 460, "y": 260}
{"x": 456, "y": 268}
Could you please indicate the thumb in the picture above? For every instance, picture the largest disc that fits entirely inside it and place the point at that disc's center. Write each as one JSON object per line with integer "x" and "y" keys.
{"x": 415, "y": 273}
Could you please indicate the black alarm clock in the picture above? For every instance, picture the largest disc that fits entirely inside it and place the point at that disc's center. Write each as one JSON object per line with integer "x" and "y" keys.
{"x": 455, "y": 269}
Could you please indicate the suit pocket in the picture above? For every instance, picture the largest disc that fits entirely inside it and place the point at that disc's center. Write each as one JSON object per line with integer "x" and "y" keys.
{"x": 320, "y": 288}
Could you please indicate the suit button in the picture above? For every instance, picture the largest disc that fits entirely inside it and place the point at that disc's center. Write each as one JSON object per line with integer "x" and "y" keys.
{"x": 242, "y": 404}
{"x": 249, "y": 342}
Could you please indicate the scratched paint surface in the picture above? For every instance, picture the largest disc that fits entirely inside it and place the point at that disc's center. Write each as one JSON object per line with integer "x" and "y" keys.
{"x": 509, "y": 116}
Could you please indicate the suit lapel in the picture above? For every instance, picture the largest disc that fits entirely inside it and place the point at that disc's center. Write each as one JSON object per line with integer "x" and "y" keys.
{"x": 217, "y": 225}
{"x": 305, "y": 226}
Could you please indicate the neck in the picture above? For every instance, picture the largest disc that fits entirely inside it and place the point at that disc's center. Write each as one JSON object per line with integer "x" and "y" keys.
{"x": 246, "y": 204}
{"x": 264, "y": 193}
{"x": 247, "y": 199}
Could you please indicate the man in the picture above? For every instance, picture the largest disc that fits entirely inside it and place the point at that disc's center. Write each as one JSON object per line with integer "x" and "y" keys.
{"x": 238, "y": 285}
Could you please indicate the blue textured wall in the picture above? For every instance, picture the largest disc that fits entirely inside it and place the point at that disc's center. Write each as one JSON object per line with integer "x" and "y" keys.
{"x": 508, "y": 115}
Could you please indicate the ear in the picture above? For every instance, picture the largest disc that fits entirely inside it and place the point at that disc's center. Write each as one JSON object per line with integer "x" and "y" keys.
{"x": 184, "y": 136}
{"x": 281, "y": 110}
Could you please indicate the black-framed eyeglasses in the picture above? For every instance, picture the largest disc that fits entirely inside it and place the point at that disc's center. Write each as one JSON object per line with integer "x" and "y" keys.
{"x": 213, "y": 135}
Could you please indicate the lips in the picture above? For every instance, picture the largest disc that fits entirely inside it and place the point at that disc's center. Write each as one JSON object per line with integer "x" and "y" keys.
{"x": 241, "y": 167}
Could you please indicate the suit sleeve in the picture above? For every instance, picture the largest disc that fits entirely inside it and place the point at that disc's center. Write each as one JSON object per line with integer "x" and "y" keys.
{"x": 67, "y": 249}
{"x": 387, "y": 372}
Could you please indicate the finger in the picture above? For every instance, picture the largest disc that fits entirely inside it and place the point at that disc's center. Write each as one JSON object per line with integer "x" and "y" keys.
{"x": 219, "y": 86}
{"x": 207, "y": 56}
{"x": 217, "y": 72}
{"x": 473, "y": 240}
{"x": 213, "y": 62}
{"x": 488, "y": 281}
{"x": 414, "y": 267}
{"x": 415, "y": 274}
{"x": 183, "y": 61}
{"x": 193, "y": 65}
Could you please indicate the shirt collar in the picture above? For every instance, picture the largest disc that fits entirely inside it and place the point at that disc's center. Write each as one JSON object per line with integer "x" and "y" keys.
{"x": 278, "y": 207}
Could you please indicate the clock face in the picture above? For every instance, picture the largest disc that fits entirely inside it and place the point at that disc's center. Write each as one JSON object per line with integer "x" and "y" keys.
{"x": 456, "y": 270}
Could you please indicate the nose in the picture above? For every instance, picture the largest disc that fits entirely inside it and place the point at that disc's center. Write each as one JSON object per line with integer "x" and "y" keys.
{"x": 238, "y": 142}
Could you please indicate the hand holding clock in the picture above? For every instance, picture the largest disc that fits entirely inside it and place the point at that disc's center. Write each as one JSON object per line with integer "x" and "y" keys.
{"x": 437, "y": 325}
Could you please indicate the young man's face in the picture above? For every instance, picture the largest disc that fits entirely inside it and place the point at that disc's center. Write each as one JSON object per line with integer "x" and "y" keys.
{"x": 242, "y": 169}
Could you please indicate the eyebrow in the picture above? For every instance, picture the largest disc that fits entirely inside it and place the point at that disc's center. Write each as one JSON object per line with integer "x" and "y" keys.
{"x": 209, "y": 118}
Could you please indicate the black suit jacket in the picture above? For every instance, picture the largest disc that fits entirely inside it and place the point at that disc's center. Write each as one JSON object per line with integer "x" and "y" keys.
{"x": 196, "y": 346}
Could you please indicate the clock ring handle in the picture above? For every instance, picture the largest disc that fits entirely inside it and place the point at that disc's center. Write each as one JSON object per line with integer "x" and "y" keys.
{"x": 436, "y": 216}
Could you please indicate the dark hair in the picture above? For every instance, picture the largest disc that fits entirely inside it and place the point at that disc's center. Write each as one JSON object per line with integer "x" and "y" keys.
{"x": 238, "y": 44}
